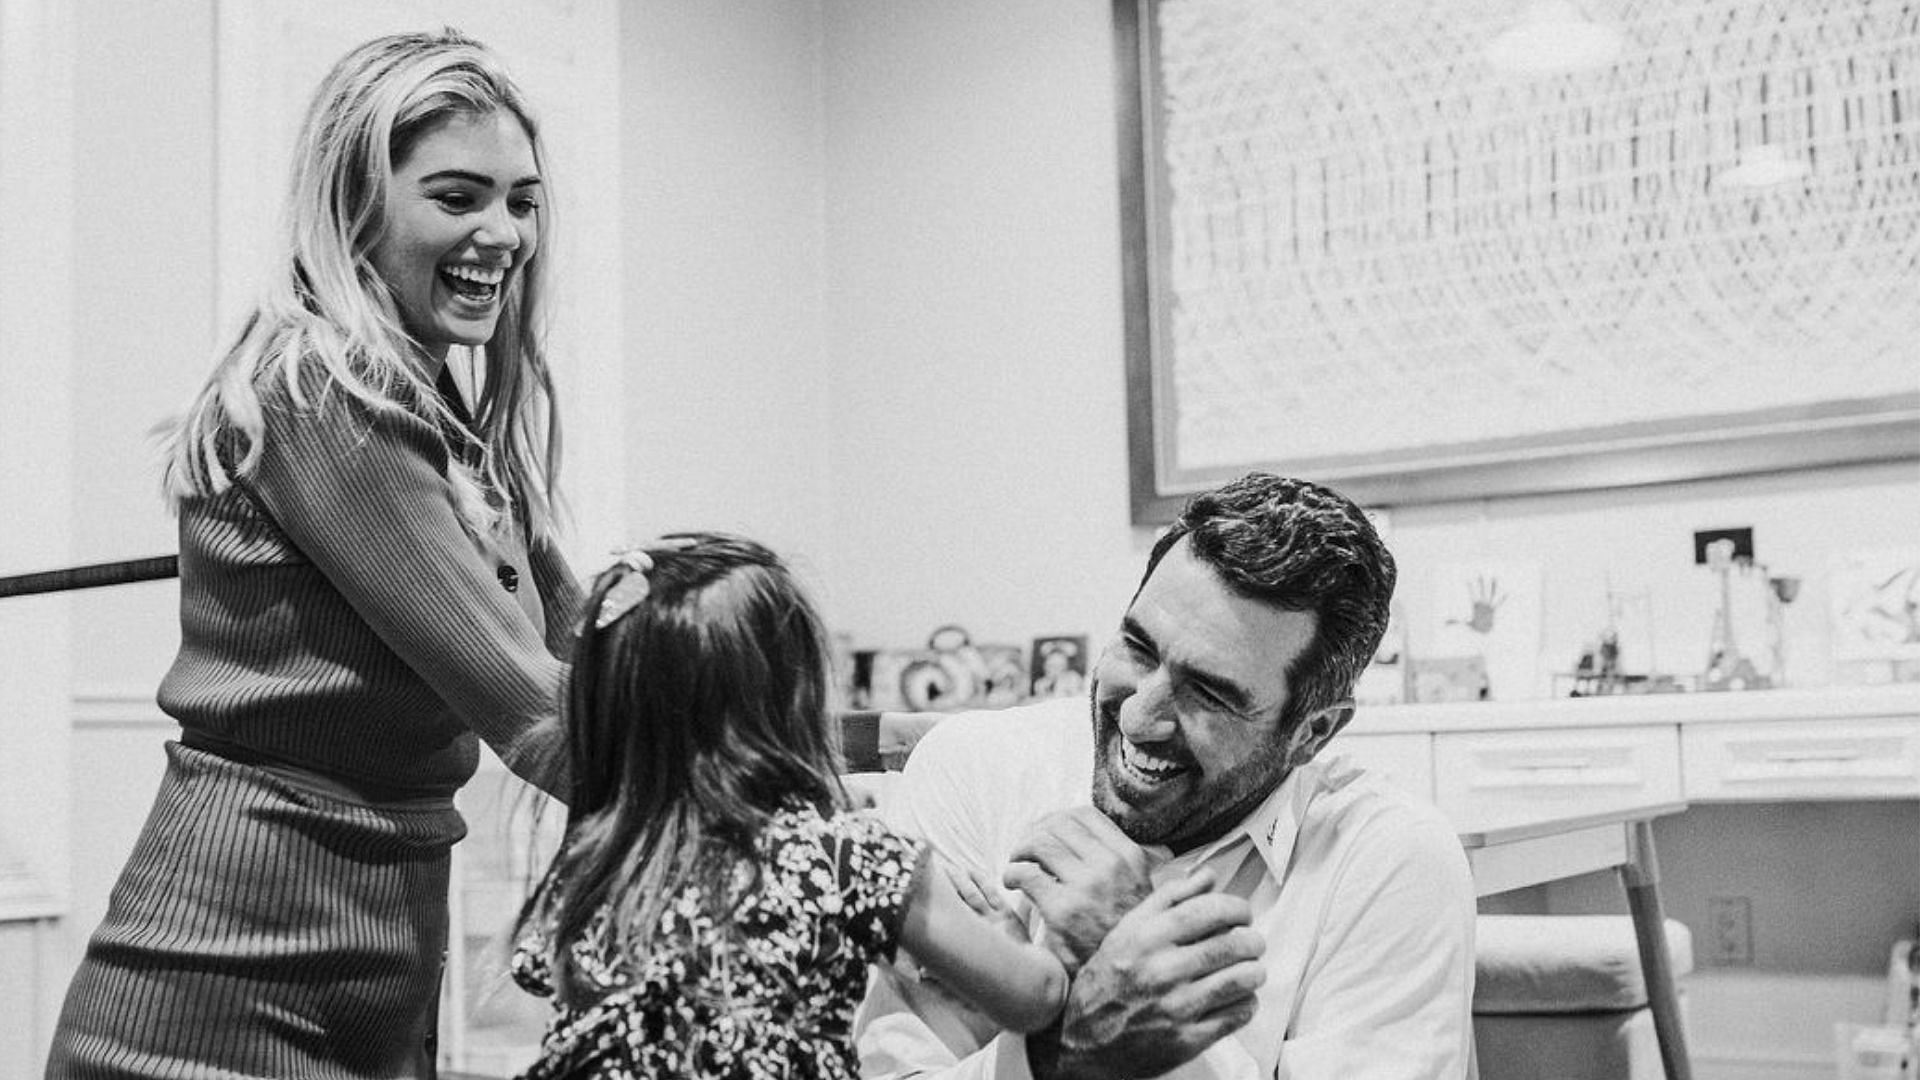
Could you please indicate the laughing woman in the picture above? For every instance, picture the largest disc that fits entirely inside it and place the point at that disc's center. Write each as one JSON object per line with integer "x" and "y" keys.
{"x": 369, "y": 586}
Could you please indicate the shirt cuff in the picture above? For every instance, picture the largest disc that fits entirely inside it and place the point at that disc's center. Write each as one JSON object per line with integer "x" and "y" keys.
{"x": 1008, "y": 1054}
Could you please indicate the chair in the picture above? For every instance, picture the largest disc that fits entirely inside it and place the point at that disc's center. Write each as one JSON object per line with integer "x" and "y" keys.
{"x": 1561, "y": 997}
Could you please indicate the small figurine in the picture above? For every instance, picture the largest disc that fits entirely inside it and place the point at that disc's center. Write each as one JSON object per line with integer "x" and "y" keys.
{"x": 1727, "y": 667}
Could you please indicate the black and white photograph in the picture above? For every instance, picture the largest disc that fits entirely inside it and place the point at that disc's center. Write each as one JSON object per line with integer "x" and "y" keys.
{"x": 960, "y": 539}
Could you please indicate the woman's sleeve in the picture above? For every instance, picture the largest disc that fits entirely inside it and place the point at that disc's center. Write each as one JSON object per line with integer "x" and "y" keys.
{"x": 561, "y": 596}
{"x": 365, "y": 497}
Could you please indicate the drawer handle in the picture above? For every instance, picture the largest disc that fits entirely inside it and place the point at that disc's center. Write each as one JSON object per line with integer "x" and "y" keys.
{"x": 1553, "y": 763}
{"x": 1787, "y": 757}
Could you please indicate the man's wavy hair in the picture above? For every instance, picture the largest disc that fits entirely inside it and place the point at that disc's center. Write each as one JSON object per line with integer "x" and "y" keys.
{"x": 1300, "y": 547}
{"x": 327, "y": 322}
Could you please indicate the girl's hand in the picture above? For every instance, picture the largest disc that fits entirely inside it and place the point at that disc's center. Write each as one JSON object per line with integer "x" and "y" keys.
{"x": 981, "y": 892}
{"x": 983, "y": 895}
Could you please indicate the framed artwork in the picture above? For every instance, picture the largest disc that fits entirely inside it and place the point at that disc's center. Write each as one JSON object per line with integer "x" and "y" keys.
{"x": 1489, "y": 612}
{"x": 1440, "y": 250}
{"x": 1875, "y": 597}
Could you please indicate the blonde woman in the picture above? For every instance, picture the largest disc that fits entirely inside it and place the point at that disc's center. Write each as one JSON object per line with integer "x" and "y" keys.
{"x": 369, "y": 587}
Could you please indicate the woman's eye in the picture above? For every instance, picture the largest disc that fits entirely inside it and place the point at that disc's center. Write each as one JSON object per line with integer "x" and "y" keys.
{"x": 454, "y": 200}
{"x": 523, "y": 207}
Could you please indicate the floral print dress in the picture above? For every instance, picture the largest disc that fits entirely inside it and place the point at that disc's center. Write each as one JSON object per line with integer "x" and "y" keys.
{"x": 779, "y": 1003}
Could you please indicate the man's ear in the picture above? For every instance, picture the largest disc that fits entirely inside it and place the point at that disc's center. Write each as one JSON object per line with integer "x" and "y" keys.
{"x": 1316, "y": 731}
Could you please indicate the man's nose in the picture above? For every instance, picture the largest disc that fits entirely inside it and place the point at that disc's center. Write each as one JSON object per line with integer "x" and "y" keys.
{"x": 1148, "y": 716}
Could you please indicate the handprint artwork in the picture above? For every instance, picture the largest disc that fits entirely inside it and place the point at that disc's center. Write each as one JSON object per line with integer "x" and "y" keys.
{"x": 1484, "y": 598}
{"x": 1491, "y": 610}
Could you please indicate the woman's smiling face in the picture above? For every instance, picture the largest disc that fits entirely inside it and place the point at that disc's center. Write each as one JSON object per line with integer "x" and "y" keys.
{"x": 462, "y": 218}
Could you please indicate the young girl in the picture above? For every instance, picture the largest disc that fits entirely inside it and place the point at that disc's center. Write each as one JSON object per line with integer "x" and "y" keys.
{"x": 713, "y": 907}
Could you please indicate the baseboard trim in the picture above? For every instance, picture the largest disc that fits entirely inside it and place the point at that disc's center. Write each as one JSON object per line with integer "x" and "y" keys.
{"x": 1709, "y": 1064}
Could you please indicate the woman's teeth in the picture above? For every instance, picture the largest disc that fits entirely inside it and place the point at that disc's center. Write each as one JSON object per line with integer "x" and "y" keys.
{"x": 1147, "y": 765}
{"x": 474, "y": 282}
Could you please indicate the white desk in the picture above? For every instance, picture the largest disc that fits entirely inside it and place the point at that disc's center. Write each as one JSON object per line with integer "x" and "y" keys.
{"x": 1491, "y": 763}
{"x": 1547, "y": 849}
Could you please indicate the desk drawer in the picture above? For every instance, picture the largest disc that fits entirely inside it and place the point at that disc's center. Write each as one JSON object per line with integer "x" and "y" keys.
{"x": 1403, "y": 759}
{"x": 1833, "y": 759}
{"x": 1495, "y": 777}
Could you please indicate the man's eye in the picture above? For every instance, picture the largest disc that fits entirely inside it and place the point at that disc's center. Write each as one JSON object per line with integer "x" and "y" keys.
{"x": 1206, "y": 699}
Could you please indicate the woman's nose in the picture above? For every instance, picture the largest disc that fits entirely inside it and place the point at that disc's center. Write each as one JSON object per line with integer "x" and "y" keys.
{"x": 498, "y": 229}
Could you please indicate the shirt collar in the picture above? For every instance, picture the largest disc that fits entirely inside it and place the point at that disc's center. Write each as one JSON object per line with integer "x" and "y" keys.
{"x": 1273, "y": 826}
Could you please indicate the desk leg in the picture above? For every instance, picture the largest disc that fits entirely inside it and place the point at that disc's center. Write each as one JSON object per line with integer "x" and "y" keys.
{"x": 1641, "y": 876}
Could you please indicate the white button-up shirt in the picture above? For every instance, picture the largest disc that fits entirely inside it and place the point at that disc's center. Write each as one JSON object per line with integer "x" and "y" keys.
{"x": 1362, "y": 894}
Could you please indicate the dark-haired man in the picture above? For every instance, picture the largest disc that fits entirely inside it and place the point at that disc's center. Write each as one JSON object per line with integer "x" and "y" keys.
{"x": 1336, "y": 937}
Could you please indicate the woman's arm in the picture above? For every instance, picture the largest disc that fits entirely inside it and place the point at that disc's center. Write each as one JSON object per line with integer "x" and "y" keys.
{"x": 1017, "y": 983}
{"x": 365, "y": 498}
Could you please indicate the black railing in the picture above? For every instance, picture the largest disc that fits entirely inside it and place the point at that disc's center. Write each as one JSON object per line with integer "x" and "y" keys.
{"x": 91, "y": 576}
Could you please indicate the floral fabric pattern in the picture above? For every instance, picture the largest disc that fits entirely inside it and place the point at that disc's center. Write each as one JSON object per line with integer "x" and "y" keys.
{"x": 776, "y": 1003}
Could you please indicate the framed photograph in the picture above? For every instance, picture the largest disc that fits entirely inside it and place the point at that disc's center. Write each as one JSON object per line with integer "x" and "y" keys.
{"x": 1407, "y": 250}
{"x": 1875, "y": 597}
{"x": 1059, "y": 666}
{"x": 951, "y": 673}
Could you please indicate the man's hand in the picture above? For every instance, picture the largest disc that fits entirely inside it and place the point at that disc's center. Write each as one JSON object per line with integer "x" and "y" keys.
{"x": 1083, "y": 874}
{"x": 1177, "y": 974}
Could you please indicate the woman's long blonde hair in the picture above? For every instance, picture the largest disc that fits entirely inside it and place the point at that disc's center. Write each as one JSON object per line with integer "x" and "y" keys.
{"x": 328, "y": 308}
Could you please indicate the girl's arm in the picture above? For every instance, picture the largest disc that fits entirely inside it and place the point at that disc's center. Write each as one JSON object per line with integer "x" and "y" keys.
{"x": 1020, "y": 985}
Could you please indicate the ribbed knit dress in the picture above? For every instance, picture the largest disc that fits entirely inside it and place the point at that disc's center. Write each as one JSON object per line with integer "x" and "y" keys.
{"x": 345, "y": 643}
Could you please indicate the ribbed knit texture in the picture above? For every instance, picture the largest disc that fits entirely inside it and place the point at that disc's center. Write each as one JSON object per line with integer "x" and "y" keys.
{"x": 336, "y": 616}
{"x": 259, "y": 931}
{"x": 336, "y": 619}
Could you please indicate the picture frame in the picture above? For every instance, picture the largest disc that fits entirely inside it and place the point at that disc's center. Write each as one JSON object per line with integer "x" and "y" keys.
{"x": 1058, "y": 667}
{"x": 1705, "y": 423}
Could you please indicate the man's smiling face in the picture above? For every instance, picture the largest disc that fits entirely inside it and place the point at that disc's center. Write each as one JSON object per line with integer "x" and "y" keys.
{"x": 1187, "y": 706}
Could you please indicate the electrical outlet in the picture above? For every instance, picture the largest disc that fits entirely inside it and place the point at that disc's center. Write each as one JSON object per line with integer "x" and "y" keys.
{"x": 1742, "y": 543}
{"x": 1730, "y": 931}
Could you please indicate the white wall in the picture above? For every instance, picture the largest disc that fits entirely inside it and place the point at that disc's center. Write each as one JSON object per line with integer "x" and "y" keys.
{"x": 729, "y": 398}
{"x": 145, "y": 334}
{"x": 973, "y": 297}
{"x": 37, "y": 423}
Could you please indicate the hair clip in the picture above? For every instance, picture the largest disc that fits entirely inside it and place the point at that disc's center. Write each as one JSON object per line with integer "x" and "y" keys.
{"x": 626, "y": 593}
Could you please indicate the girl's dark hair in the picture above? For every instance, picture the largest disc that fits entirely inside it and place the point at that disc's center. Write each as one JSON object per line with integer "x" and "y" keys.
{"x": 691, "y": 718}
